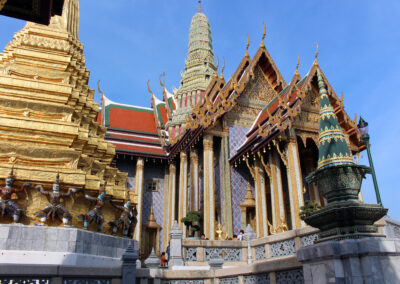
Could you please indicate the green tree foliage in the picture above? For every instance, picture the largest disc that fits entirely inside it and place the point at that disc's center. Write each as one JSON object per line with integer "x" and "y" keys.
{"x": 190, "y": 218}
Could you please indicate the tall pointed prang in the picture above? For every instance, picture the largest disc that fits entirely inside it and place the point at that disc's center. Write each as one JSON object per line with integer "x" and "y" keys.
{"x": 200, "y": 64}
{"x": 333, "y": 149}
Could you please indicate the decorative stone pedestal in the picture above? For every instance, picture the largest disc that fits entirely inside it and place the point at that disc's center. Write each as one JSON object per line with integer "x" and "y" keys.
{"x": 152, "y": 261}
{"x": 129, "y": 259}
{"x": 26, "y": 245}
{"x": 367, "y": 260}
{"x": 176, "y": 258}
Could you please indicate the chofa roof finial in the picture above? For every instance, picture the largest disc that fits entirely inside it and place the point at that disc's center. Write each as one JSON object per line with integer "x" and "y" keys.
{"x": 263, "y": 37}
{"x": 216, "y": 68}
{"x": 162, "y": 82}
{"x": 247, "y": 46}
{"x": 223, "y": 68}
{"x": 148, "y": 88}
{"x": 316, "y": 55}
{"x": 102, "y": 102}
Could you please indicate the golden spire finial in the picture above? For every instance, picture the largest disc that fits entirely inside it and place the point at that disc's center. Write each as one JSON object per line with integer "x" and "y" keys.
{"x": 199, "y": 6}
{"x": 297, "y": 66}
{"x": 148, "y": 88}
{"x": 263, "y": 37}
{"x": 316, "y": 55}
{"x": 223, "y": 68}
{"x": 247, "y": 46}
{"x": 216, "y": 73}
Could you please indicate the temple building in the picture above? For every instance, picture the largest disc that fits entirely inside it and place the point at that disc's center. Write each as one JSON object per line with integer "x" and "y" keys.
{"x": 236, "y": 150}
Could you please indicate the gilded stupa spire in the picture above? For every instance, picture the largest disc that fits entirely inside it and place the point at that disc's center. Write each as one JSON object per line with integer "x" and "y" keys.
{"x": 200, "y": 66}
{"x": 333, "y": 149}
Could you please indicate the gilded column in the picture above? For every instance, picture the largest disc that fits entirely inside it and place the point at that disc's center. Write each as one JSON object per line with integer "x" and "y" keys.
{"x": 226, "y": 185}
{"x": 139, "y": 190}
{"x": 295, "y": 181}
{"x": 166, "y": 210}
{"x": 209, "y": 188}
{"x": 182, "y": 190}
{"x": 171, "y": 195}
{"x": 261, "y": 203}
{"x": 194, "y": 180}
{"x": 277, "y": 203}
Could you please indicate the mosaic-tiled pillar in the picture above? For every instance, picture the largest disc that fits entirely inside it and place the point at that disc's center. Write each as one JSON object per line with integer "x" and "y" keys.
{"x": 295, "y": 181}
{"x": 226, "y": 185}
{"x": 261, "y": 203}
{"x": 139, "y": 190}
{"x": 194, "y": 180}
{"x": 166, "y": 210}
{"x": 209, "y": 188}
{"x": 277, "y": 203}
{"x": 171, "y": 195}
{"x": 183, "y": 169}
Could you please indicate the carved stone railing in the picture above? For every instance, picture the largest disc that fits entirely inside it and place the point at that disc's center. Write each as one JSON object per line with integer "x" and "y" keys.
{"x": 199, "y": 252}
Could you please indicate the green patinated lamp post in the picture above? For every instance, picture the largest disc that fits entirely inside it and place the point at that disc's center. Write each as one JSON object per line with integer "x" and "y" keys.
{"x": 363, "y": 126}
{"x": 339, "y": 180}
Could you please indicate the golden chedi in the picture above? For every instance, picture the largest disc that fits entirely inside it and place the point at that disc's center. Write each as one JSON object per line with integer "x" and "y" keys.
{"x": 48, "y": 119}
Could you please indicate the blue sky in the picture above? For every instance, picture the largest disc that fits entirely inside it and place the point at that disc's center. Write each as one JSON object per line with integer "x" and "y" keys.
{"x": 128, "y": 42}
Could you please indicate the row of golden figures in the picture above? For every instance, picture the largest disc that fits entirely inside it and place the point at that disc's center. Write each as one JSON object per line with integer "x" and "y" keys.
{"x": 55, "y": 209}
{"x": 222, "y": 235}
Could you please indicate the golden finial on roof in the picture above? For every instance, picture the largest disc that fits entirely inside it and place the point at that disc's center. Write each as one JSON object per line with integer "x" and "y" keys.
{"x": 216, "y": 73}
{"x": 162, "y": 82}
{"x": 199, "y": 6}
{"x": 102, "y": 101}
{"x": 316, "y": 55}
{"x": 263, "y": 37}
{"x": 223, "y": 68}
{"x": 148, "y": 88}
{"x": 297, "y": 66}
{"x": 247, "y": 46}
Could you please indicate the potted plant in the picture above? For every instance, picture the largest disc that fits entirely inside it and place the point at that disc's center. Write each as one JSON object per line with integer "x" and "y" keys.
{"x": 191, "y": 220}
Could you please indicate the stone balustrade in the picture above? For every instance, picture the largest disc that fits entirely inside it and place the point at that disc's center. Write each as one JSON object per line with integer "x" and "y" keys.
{"x": 199, "y": 252}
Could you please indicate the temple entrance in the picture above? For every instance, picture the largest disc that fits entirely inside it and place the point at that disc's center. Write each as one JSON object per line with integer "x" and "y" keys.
{"x": 251, "y": 216}
{"x": 151, "y": 237}
{"x": 248, "y": 210}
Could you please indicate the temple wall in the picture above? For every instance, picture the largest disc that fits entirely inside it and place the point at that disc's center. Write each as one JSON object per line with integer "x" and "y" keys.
{"x": 239, "y": 176}
{"x": 129, "y": 166}
{"x": 156, "y": 198}
{"x": 237, "y": 135}
{"x": 218, "y": 180}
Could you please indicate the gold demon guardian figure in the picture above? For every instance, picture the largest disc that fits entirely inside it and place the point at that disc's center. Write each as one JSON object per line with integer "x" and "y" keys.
{"x": 7, "y": 205}
{"x": 96, "y": 214}
{"x": 55, "y": 208}
{"x": 126, "y": 221}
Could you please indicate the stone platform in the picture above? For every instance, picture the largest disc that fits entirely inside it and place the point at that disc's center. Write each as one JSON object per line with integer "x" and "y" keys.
{"x": 367, "y": 260}
{"x": 35, "y": 245}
